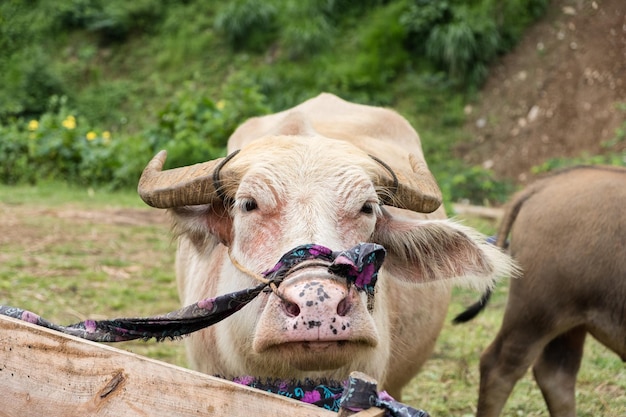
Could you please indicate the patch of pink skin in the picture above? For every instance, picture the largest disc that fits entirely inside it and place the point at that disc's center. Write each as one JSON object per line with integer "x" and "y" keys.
{"x": 317, "y": 320}
{"x": 263, "y": 242}
{"x": 343, "y": 260}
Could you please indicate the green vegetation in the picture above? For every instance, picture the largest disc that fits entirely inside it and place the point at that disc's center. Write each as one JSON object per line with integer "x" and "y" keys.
{"x": 90, "y": 89}
{"x": 70, "y": 255}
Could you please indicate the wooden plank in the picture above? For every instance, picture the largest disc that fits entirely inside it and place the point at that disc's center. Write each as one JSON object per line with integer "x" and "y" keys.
{"x": 370, "y": 412}
{"x": 43, "y": 372}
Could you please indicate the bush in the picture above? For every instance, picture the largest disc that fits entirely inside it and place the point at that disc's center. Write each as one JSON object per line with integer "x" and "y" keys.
{"x": 14, "y": 162}
{"x": 305, "y": 28}
{"x": 462, "y": 38}
{"x": 26, "y": 78}
{"x": 28, "y": 84}
{"x": 61, "y": 145}
{"x": 193, "y": 128}
{"x": 247, "y": 24}
{"x": 112, "y": 20}
{"x": 475, "y": 185}
{"x": 381, "y": 54}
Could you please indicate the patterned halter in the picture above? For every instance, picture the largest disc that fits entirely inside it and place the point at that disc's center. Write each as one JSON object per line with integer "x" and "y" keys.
{"x": 358, "y": 265}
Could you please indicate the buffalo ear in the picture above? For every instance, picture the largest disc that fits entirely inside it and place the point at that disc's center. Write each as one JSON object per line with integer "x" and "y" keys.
{"x": 200, "y": 223}
{"x": 424, "y": 251}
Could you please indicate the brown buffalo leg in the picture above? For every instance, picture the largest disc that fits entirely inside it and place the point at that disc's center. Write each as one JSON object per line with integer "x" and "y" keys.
{"x": 556, "y": 369}
{"x": 503, "y": 363}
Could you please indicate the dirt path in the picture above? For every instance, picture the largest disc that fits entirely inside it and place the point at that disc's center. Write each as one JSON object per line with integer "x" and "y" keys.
{"x": 557, "y": 94}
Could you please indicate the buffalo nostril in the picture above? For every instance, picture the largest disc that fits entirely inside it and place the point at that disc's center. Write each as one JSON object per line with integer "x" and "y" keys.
{"x": 291, "y": 309}
{"x": 343, "y": 307}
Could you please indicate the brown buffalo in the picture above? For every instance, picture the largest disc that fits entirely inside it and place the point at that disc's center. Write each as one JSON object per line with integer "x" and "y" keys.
{"x": 336, "y": 174}
{"x": 568, "y": 234}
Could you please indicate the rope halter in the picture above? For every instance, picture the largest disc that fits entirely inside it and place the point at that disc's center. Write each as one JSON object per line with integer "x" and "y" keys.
{"x": 358, "y": 265}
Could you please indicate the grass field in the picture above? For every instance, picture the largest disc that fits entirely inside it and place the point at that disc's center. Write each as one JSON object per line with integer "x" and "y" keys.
{"x": 71, "y": 254}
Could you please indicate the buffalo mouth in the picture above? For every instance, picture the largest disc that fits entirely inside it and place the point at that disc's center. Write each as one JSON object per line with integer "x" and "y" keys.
{"x": 319, "y": 355}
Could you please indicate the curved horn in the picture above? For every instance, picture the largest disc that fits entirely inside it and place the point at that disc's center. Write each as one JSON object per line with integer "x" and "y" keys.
{"x": 190, "y": 185}
{"x": 414, "y": 190}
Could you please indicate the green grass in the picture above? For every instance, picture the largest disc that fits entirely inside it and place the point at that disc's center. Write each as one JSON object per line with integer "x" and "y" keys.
{"x": 69, "y": 254}
{"x": 56, "y": 194}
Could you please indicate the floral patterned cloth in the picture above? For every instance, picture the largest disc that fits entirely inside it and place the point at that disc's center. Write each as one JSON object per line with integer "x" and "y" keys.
{"x": 358, "y": 265}
{"x": 333, "y": 395}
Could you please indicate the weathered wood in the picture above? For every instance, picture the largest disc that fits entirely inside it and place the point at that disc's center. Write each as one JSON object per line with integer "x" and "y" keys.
{"x": 43, "y": 372}
{"x": 370, "y": 412}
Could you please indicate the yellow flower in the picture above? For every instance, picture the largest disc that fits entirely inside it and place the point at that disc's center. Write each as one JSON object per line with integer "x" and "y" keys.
{"x": 33, "y": 125}
{"x": 106, "y": 137}
{"x": 69, "y": 123}
{"x": 220, "y": 105}
{"x": 91, "y": 135}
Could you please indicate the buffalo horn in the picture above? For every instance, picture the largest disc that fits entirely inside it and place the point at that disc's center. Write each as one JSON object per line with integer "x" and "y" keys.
{"x": 189, "y": 185}
{"x": 414, "y": 190}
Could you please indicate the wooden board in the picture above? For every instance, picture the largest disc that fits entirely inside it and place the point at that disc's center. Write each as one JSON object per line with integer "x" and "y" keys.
{"x": 43, "y": 372}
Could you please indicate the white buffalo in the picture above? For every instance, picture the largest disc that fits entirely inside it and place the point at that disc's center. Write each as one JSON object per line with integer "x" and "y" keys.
{"x": 331, "y": 173}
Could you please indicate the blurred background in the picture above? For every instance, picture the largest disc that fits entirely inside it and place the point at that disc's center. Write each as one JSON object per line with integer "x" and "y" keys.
{"x": 499, "y": 91}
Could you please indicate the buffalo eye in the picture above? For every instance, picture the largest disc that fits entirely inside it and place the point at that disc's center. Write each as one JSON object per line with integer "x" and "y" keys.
{"x": 368, "y": 208}
{"x": 249, "y": 205}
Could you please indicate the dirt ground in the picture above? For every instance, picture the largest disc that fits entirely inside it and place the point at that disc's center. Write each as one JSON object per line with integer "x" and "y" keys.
{"x": 556, "y": 94}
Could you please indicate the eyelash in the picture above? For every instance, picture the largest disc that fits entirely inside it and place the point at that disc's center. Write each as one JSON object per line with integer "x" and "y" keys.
{"x": 249, "y": 205}
{"x": 368, "y": 208}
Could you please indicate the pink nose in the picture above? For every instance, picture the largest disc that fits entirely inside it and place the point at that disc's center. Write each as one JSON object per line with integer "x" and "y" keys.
{"x": 317, "y": 310}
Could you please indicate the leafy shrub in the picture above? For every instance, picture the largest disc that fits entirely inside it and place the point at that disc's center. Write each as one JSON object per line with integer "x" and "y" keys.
{"x": 462, "y": 38}
{"x": 62, "y": 145}
{"x": 247, "y": 23}
{"x": 475, "y": 184}
{"x": 28, "y": 84}
{"x": 463, "y": 50}
{"x": 104, "y": 102}
{"x": 193, "y": 128}
{"x": 14, "y": 161}
{"x": 112, "y": 20}
{"x": 381, "y": 54}
{"x": 26, "y": 78}
{"x": 305, "y": 28}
